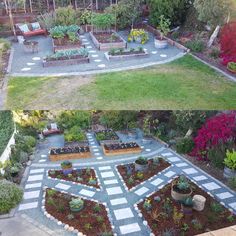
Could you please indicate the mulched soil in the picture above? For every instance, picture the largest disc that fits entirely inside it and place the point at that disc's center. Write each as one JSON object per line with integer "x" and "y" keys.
{"x": 208, "y": 219}
{"x": 86, "y": 220}
{"x": 107, "y": 38}
{"x": 152, "y": 170}
{"x": 65, "y": 41}
{"x": 85, "y": 175}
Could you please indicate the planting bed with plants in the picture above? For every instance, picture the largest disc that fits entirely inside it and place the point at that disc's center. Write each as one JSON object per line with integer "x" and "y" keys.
{"x": 69, "y": 153}
{"x": 121, "y": 148}
{"x": 88, "y": 217}
{"x": 121, "y": 53}
{"x": 182, "y": 208}
{"x": 106, "y": 136}
{"x": 68, "y": 57}
{"x": 83, "y": 176}
{"x": 141, "y": 170}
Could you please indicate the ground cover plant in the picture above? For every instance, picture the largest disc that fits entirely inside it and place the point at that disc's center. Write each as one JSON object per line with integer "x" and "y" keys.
{"x": 108, "y": 134}
{"x": 133, "y": 176}
{"x": 86, "y": 216}
{"x": 166, "y": 216}
{"x": 67, "y": 150}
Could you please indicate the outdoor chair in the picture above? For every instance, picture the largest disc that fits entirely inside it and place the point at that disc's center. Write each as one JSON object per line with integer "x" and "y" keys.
{"x": 31, "y": 29}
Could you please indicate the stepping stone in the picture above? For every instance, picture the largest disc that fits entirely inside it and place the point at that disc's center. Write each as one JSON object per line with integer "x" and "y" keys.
{"x": 173, "y": 159}
{"x": 36, "y": 185}
{"x": 42, "y": 160}
{"x": 181, "y": 164}
{"x": 163, "y": 55}
{"x": 97, "y": 60}
{"x": 200, "y": 177}
{"x": 86, "y": 43}
{"x": 27, "y": 206}
{"x": 118, "y": 201}
{"x": 233, "y": 205}
{"x": 211, "y": 186}
{"x": 97, "y": 154}
{"x": 32, "y": 194}
{"x": 142, "y": 147}
{"x": 30, "y": 64}
{"x": 92, "y": 142}
{"x": 36, "y": 171}
{"x": 141, "y": 191}
{"x": 130, "y": 228}
{"x": 154, "y": 52}
{"x": 92, "y": 51}
{"x": 63, "y": 186}
{"x": 104, "y": 168}
{"x": 87, "y": 193}
{"x": 89, "y": 47}
{"x": 148, "y": 150}
{"x": 94, "y": 146}
{"x": 169, "y": 174}
{"x": 157, "y": 182}
{"x": 102, "y": 66}
{"x": 43, "y": 155}
{"x": 99, "y": 158}
{"x": 123, "y": 213}
{"x": 26, "y": 69}
{"x": 95, "y": 55}
{"x": 112, "y": 181}
{"x": 85, "y": 40}
{"x": 36, "y": 58}
{"x": 82, "y": 36}
{"x": 167, "y": 154}
{"x": 190, "y": 171}
{"x": 107, "y": 174}
{"x": 224, "y": 195}
{"x": 114, "y": 191}
{"x": 35, "y": 177}
{"x": 96, "y": 150}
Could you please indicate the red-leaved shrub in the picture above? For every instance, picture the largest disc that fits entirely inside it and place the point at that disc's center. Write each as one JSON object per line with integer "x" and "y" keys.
{"x": 228, "y": 43}
{"x": 218, "y": 130}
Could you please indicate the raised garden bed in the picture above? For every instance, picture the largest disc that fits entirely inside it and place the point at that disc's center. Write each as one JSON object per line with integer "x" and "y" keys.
{"x": 165, "y": 215}
{"x": 107, "y": 137}
{"x": 107, "y": 40}
{"x": 81, "y": 176}
{"x": 118, "y": 54}
{"x": 90, "y": 219}
{"x": 121, "y": 148}
{"x": 59, "y": 154}
{"x": 133, "y": 178}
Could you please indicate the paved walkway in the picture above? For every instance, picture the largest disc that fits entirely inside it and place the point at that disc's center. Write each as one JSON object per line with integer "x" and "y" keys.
{"x": 121, "y": 202}
{"x": 28, "y": 64}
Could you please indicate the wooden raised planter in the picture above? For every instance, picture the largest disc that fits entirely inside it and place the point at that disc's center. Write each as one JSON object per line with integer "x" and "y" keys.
{"x": 57, "y": 48}
{"x": 108, "y": 46}
{"x": 62, "y": 157}
{"x": 126, "y": 56}
{"x": 66, "y": 62}
{"x": 121, "y": 151}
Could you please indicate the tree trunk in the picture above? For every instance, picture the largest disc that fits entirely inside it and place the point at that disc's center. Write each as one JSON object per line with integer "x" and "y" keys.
{"x": 213, "y": 36}
{"x": 5, "y": 2}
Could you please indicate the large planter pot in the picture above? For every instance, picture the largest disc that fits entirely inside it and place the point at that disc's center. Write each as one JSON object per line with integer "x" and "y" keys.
{"x": 139, "y": 167}
{"x": 229, "y": 173}
{"x": 179, "y": 196}
{"x": 199, "y": 202}
{"x": 160, "y": 44}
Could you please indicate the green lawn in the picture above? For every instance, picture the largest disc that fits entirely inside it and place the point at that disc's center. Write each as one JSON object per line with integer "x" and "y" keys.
{"x": 183, "y": 84}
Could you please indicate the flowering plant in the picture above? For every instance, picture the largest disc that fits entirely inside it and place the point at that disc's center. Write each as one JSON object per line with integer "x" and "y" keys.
{"x": 137, "y": 35}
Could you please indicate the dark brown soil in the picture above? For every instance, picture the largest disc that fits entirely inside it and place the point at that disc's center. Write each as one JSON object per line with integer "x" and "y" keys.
{"x": 85, "y": 221}
{"x": 85, "y": 176}
{"x": 208, "y": 219}
{"x": 107, "y": 38}
{"x": 152, "y": 170}
{"x": 65, "y": 41}
{"x": 64, "y": 58}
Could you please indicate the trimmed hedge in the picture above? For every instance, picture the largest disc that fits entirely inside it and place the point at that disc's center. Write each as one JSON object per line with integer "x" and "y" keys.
{"x": 10, "y": 196}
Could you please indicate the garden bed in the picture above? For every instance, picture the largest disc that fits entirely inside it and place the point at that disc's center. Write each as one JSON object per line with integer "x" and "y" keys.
{"x": 166, "y": 215}
{"x": 91, "y": 220}
{"x": 121, "y": 148}
{"x": 81, "y": 176}
{"x": 107, "y": 40}
{"x": 132, "y": 178}
{"x": 59, "y": 154}
{"x": 107, "y": 137}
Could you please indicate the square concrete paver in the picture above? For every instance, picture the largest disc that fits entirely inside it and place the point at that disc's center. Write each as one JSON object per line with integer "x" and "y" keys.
{"x": 107, "y": 174}
{"x": 211, "y": 186}
{"x": 63, "y": 186}
{"x": 170, "y": 174}
{"x": 36, "y": 185}
{"x": 141, "y": 191}
{"x": 87, "y": 193}
{"x": 118, "y": 201}
{"x": 190, "y": 171}
{"x": 181, "y": 164}
{"x": 233, "y": 205}
{"x": 114, "y": 191}
{"x": 224, "y": 195}
{"x": 104, "y": 168}
{"x": 174, "y": 159}
{"x": 112, "y": 181}
{"x": 31, "y": 194}
{"x": 130, "y": 228}
{"x": 35, "y": 177}
{"x": 200, "y": 177}
{"x": 167, "y": 154}
{"x": 123, "y": 213}
{"x": 156, "y": 181}
{"x": 36, "y": 171}
{"x": 27, "y": 206}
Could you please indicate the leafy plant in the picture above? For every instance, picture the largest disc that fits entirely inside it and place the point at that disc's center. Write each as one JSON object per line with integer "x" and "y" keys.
{"x": 183, "y": 183}
{"x": 177, "y": 216}
{"x": 51, "y": 192}
{"x": 100, "y": 219}
{"x": 187, "y": 202}
{"x": 196, "y": 224}
{"x": 76, "y": 204}
{"x": 97, "y": 208}
{"x": 164, "y": 26}
{"x": 185, "y": 145}
{"x": 92, "y": 181}
{"x": 196, "y": 45}
{"x": 230, "y": 160}
{"x": 65, "y": 16}
{"x": 142, "y": 161}
{"x": 168, "y": 232}
{"x": 167, "y": 207}
{"x": 85, "y": 18}
{"x": 70, "y": 217}
{"x": 102, "y": 21}
{"x": 147, "y": 205}
{"x": 88, "y": 226}
{"x": 139, "y": 175}
{"x": 216, "y": 207}
{"x": 232, "y": 66}
{"x": 138, "y": 35}
{"x": 185, "y": 227}
{"x": 66, "y": 164}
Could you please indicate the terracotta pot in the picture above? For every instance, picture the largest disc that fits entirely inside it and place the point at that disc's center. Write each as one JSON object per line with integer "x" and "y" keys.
{"x": 179, "y": 196}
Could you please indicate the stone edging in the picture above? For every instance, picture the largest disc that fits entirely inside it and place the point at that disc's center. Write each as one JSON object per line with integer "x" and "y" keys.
{"x": 10, "y": 60}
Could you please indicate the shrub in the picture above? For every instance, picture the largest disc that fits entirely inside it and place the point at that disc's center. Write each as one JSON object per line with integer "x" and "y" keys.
{"x": 30, "y": 141}
{"x": 103, "y": 21}
{"x": 195, "y": 45}
{"x": 85, "y": 17}
{"x": 74, "y": 134}
{"x": 232, "y": 66}
{"x": 10, "y": 196}
{"x": 66, "y": 16}
{"x": 4, "y": 45}
{"x": 214, "y": 53}
{"x": 230, "y": 160}
{"x": 185, "y": 145}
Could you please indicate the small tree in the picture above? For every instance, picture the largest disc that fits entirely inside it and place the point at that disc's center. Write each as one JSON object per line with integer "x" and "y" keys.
{"x": 164, "y": 26}
{"x": 103, "y": 22}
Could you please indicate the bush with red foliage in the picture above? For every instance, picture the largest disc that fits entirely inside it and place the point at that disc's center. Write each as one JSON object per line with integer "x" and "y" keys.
{"x": 218, "y": 130}
{"x": 228, "y": 43}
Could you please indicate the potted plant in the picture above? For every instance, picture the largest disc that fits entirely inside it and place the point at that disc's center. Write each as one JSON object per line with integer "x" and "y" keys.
{"x": 76, "y": 204}
{"x": 181, "y": 189}
{"x": 164, "y": 28}
{"x": 231, "y": 66}
{"x": 66, "y": 167}
{"x": 230, "y": 164}
{"x": 187, "y": 206}
{"x": 141, "y": 164}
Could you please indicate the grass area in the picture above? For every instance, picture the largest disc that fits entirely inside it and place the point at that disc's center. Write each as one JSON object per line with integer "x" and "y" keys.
{"x": 183, "y": 84}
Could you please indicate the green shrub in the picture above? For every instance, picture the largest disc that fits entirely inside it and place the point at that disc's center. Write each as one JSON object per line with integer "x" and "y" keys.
{"x": 230, "y": 160}
{"x": 66, "y": 16}
{"x": 196, "y": 45}
{"x": 184, "y": 145}
{"x": 74, "y": 134}
{"x": 216, "y": 156}
{"x": 10, "y": 196}
{"x": 232, "y": 66}
{"x": 214, "y": 53}
{"x": 30, "y": 141}
{"x": 4, "y": 45}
